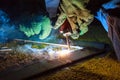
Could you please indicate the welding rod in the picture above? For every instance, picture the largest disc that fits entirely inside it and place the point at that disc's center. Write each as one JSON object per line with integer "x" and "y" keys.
{"x": 68, "y": 43}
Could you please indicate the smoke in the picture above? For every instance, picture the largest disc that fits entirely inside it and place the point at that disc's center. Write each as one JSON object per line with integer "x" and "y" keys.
{"x": 49, "y": 52}
{"x": 8, "y": 30}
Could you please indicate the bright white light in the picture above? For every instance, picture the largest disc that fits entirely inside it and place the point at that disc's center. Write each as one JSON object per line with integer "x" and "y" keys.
{"x": 63, "y": 53}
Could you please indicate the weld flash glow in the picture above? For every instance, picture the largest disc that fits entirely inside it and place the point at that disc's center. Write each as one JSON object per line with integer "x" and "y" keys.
{"x": 64, "y": 53}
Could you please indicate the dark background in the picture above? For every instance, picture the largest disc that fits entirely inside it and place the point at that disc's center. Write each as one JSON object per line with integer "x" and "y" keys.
{"x": 15, "y": 8}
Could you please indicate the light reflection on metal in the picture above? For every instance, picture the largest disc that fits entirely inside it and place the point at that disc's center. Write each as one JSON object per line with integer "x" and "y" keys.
{"x": 49, "y": 52}
{"x": 62, "y": 45}
{"x": 5, "y": 49}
